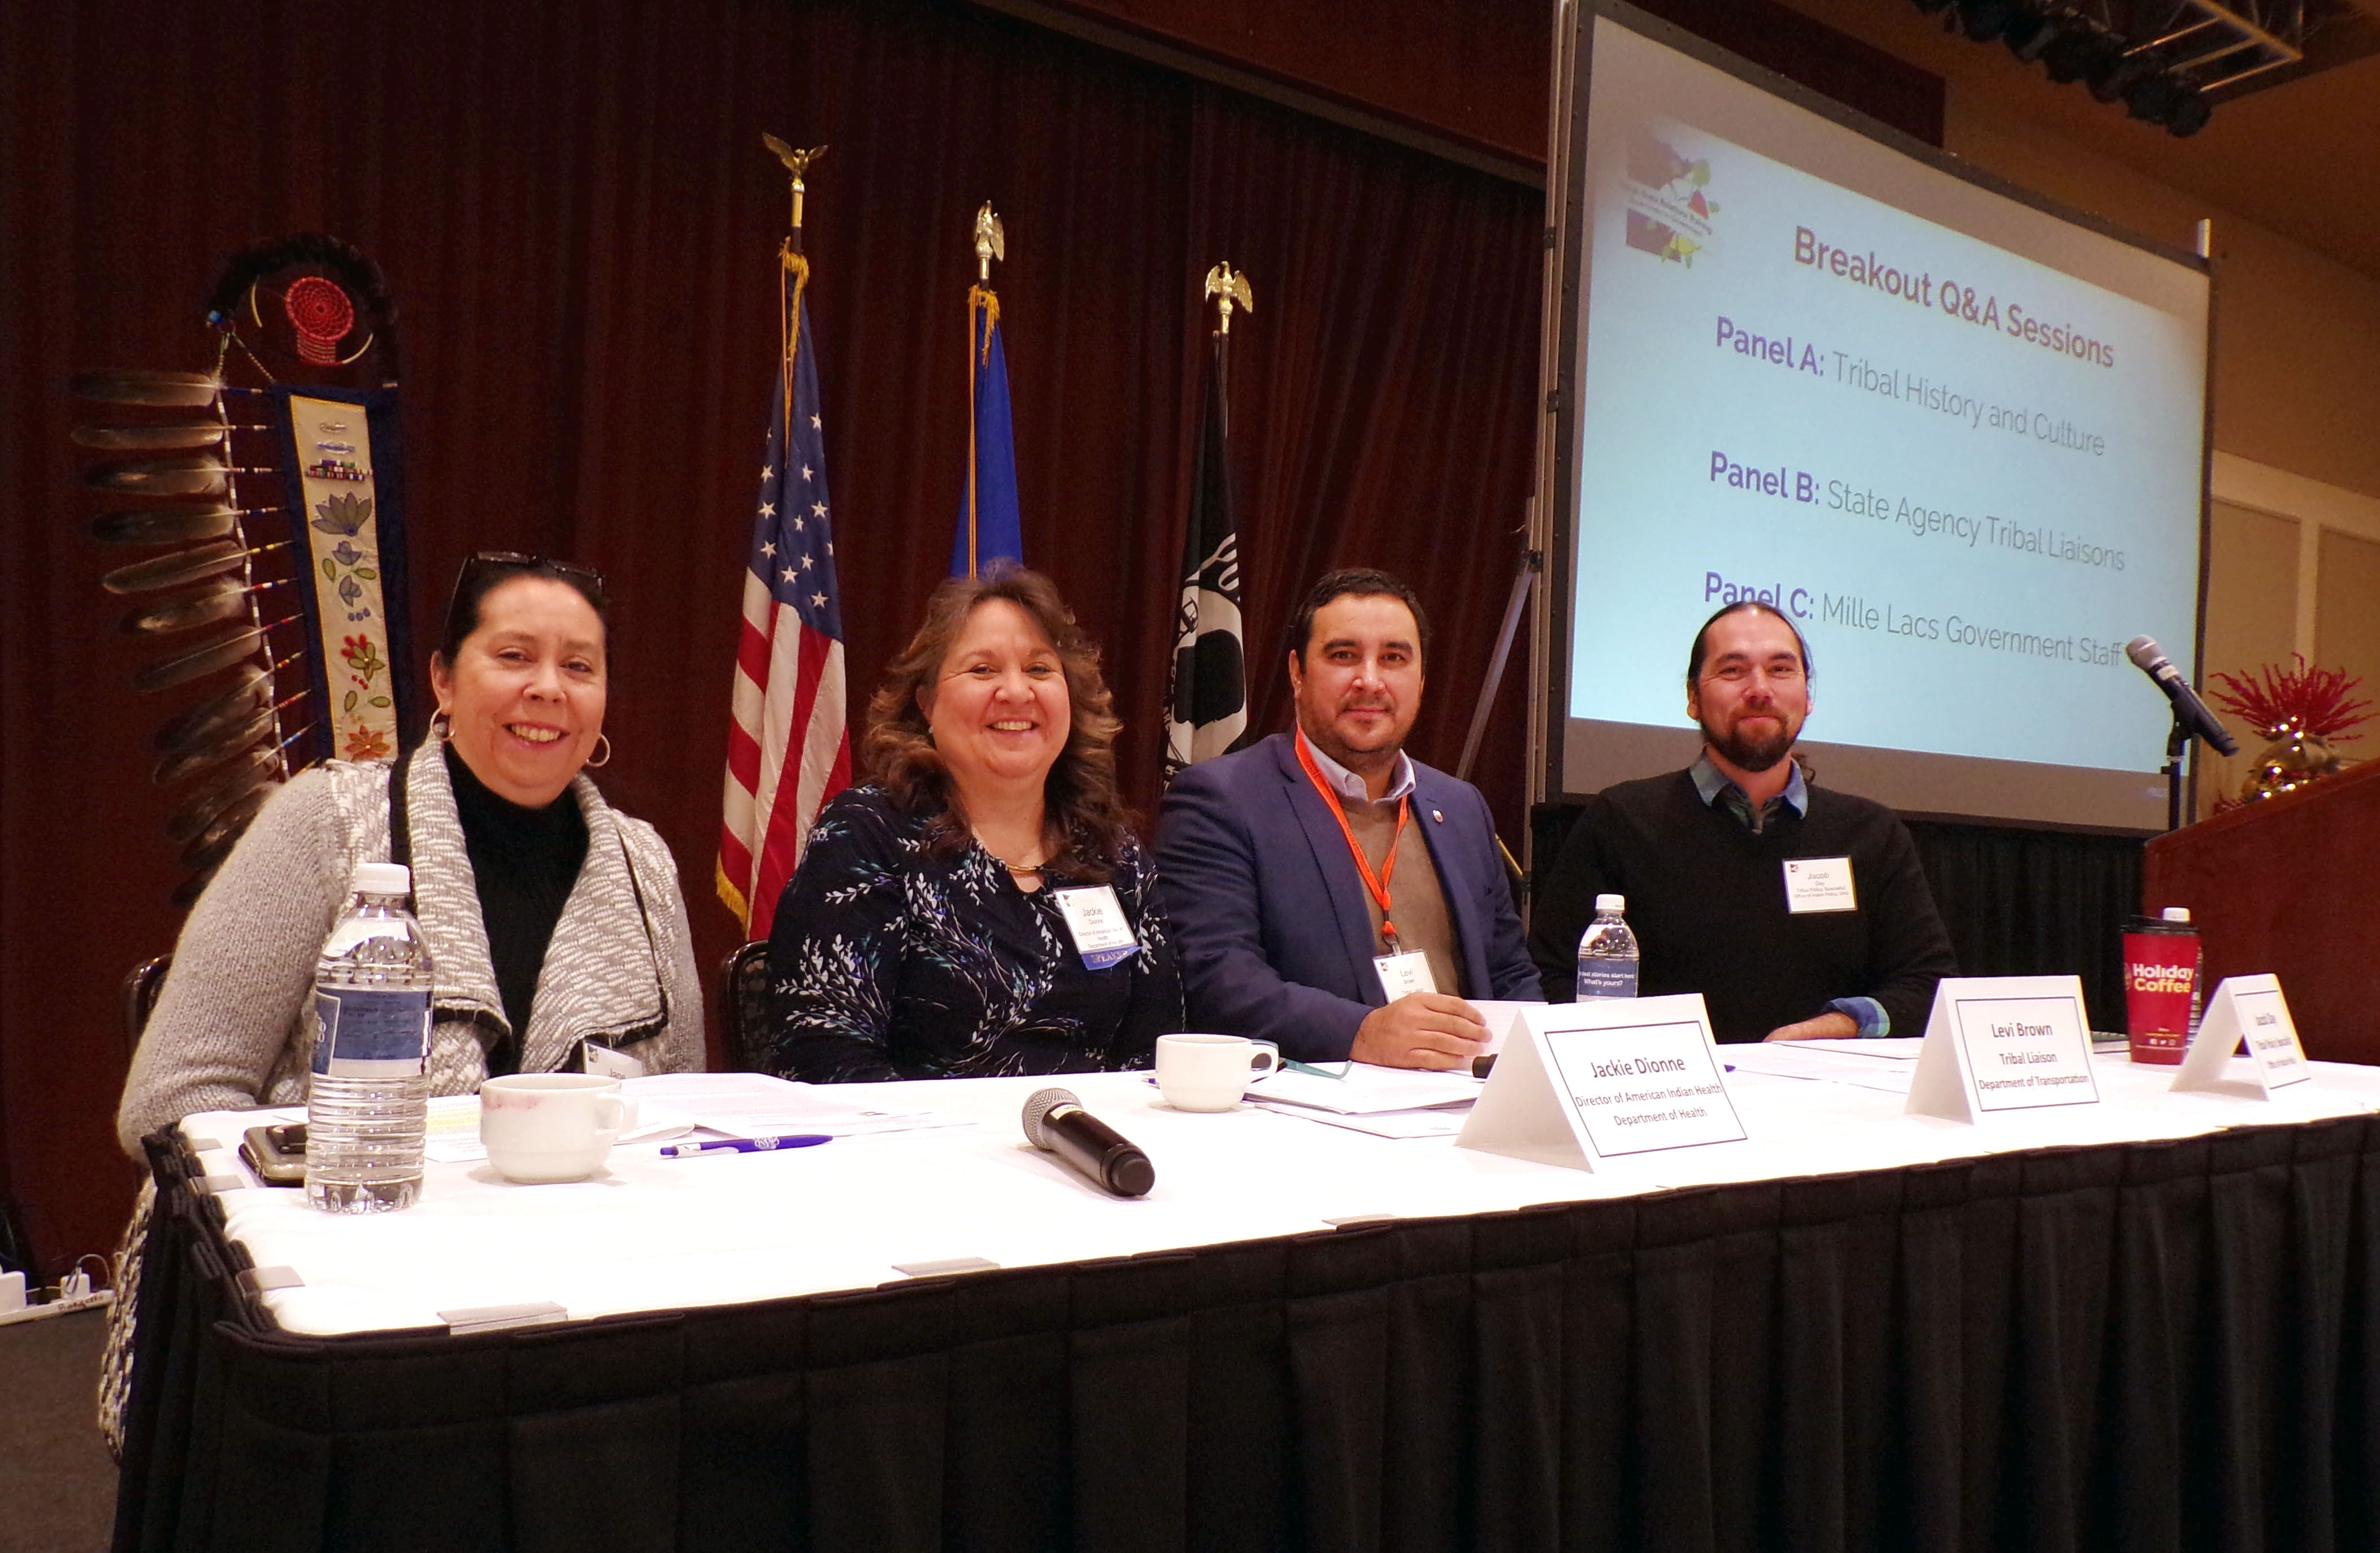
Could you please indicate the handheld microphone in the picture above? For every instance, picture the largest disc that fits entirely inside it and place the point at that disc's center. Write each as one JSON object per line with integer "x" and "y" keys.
{"x": 1055, "y": 1121}
{"x": 2151, "y": 660}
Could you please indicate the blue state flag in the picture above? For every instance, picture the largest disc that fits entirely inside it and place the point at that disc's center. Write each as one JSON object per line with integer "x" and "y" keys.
{"x": 988, "y": 528}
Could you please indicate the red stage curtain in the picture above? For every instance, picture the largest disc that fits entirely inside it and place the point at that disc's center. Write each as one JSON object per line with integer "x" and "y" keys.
{"x": 573, "y": 206}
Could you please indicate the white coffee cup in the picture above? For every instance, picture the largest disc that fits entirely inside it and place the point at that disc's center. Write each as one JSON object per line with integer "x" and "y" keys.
{"x": 1210, "y": 1073}
{"x": 540, "y": 1128}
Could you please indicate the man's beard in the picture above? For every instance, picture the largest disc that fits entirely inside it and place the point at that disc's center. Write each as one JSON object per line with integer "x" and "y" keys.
{"x": 1753, "y": 753}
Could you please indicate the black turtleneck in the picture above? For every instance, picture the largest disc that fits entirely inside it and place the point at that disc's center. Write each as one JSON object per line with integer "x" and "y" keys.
{"x": 526, "y": 862}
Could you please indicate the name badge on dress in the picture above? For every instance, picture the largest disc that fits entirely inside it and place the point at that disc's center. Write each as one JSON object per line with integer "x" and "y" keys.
{"x": 1103, "y": 935}
{"x": 1404, "y": 974}
{"x": 594, "y": 1057}
{"x": 1820, "y": 884}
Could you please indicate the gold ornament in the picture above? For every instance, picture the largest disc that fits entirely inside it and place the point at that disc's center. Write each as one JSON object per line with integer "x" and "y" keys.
{"x": 2291, "y": 762}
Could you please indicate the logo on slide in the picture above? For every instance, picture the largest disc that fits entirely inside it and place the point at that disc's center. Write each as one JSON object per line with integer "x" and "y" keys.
{"x": 1669, "y": 213}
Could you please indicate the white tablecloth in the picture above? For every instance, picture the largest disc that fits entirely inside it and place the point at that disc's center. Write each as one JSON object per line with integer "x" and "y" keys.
{"x": 653, "y": 1233}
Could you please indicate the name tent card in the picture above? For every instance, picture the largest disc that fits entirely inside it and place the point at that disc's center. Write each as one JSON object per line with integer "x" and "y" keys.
{"x": 2003, "y": 1043}
{"x": 2248, "y": 1008}
{"x": 1580, "y": 1084}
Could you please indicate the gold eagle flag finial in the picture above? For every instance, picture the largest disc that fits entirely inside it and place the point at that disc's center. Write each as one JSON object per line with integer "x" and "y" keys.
{"x": 797, "y": 164}
{"x": 990, "y": 243}
{"x": 1228, "y": 286}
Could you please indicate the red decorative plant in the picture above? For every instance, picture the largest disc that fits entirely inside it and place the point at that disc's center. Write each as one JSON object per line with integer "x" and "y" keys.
{"x": 2296, "y": 701}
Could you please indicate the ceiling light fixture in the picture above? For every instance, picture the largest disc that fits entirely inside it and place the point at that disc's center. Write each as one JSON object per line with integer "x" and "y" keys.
{"x": 2160, "y": 58}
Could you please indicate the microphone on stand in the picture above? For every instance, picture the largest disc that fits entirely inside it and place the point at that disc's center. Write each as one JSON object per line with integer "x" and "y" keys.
{"x": 2151, "y": 660}
{"x": 1055, "y": 1121}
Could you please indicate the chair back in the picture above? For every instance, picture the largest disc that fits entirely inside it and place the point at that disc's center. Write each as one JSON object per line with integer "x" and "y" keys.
{"x": 141, "y": 990}
{"x": 744, "y": 1006}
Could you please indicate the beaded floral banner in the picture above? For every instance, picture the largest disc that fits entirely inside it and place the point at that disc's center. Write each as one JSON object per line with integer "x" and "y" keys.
{"x": 340, "y": 530}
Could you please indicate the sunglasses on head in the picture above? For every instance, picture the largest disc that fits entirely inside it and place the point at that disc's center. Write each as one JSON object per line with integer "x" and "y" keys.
{"x": 482, "y": 560}
{"x": 512, "y": 559}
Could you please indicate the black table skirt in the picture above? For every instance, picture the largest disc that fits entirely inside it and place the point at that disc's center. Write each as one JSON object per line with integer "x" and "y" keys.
{"x": 2152, "y": 1347}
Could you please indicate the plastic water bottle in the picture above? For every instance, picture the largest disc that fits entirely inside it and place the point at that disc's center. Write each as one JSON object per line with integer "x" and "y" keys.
{"x": 2198, "y": 970}
{"x": 368, "y": 1097}
{"x": 1607, "y": 953}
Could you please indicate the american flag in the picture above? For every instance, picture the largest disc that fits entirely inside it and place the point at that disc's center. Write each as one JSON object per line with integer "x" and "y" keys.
{"x": 790, "y": 748}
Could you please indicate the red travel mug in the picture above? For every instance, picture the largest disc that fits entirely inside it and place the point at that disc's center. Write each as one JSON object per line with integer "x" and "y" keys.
{"x": 2160, "y": 985}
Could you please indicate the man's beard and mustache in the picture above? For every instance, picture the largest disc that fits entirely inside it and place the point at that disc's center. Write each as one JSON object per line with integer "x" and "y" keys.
{"x": 1754, "y": 751}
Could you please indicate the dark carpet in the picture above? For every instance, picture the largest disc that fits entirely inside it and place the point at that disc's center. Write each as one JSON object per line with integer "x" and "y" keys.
{"x": 56, "y": 1482}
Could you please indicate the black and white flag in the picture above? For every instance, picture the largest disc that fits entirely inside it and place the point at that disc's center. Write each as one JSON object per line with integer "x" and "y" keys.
{"x": 1206, "y": 700}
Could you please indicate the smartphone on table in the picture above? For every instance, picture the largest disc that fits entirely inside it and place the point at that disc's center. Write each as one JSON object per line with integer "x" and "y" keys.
{"x": 277, "y": 1154}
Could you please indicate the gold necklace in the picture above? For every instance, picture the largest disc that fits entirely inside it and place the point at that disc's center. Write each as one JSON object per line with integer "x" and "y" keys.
{"x": 1012, "y": 868}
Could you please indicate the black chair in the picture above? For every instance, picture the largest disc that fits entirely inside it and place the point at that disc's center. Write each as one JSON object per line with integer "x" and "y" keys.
{"x": 140, "y": 996}
{"x": 744, "y": 1006}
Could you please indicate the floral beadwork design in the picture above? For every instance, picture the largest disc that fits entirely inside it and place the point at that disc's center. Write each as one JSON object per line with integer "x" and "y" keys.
{"x": 364, "y": 665}
{"x": 365, "y": 743}
{"x": 349, "y": 565}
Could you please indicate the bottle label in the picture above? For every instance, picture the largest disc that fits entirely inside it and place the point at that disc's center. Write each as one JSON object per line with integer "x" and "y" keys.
{"x": 386, "y": 1028}
{"x": 1606, "y": 979}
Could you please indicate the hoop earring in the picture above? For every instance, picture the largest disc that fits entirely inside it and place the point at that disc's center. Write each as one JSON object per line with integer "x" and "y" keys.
{"x": 605, "y": 740}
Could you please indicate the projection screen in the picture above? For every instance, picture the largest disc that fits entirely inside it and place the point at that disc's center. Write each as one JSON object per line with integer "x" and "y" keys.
{"x": 1958, "y": 436}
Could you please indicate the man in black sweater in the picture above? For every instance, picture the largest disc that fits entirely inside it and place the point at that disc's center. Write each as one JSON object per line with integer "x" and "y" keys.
{"x": 1797, "y": 913}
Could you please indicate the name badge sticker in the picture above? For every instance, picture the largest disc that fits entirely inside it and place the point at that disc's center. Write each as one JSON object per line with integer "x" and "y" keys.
{"x": 1820, "y": 884}
{"x": 604, "y": 1060}
{"x": 1103, "y": 935}
{"x": 1402, "y": 974}
{"x": 2250, "y": 1009}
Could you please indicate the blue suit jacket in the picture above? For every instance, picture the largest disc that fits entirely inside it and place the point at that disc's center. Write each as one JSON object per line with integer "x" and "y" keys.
{"x": 1267, "y": 912}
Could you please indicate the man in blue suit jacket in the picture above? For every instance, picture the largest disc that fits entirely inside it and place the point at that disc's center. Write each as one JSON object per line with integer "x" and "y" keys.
{"x": 1278, "y": 925}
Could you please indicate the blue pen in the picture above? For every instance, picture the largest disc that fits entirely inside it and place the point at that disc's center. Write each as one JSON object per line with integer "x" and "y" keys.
{"x": 744, "y": 1145}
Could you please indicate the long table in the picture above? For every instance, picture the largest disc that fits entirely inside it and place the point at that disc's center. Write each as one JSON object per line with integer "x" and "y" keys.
{"x": 2148, "y": 1324}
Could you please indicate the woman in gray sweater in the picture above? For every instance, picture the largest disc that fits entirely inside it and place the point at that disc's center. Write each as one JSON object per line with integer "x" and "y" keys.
{"x": 552, "y": 919}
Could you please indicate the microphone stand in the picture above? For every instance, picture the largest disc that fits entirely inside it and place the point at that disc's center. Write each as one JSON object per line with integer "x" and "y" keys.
{"x": 2177, "y": 744}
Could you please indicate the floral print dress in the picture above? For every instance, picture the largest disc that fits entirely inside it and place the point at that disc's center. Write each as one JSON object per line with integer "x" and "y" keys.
{"x": 888, "y": 963}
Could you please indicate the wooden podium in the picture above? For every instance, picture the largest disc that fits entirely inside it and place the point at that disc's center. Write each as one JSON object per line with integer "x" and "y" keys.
{"x": 2289, "y": 885}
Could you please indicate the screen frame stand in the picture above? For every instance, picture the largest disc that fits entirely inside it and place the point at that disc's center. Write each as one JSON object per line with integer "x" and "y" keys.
{"x": 1533, "y": 561}
{"x": 2176, "y": 745}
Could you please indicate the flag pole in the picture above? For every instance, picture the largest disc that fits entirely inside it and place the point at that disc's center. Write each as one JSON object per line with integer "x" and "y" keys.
{"x": 749, "y": 808}
{"x": 792, "y": 268}
{"x": 1227, "y": 287}
{"x": 990, "y": 243}
{"x": 1209, "y": 600}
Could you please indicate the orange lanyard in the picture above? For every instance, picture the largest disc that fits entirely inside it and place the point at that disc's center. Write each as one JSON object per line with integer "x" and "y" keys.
{"x": 1377, "y": 885}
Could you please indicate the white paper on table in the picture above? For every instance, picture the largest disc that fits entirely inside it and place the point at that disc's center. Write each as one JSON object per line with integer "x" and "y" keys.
{"x": 1500, "y": 1013}
{"x": 761, "y": 1105}
{"x": 1790, "y": 1059}
{"x": 452, "y": 1135}
{"x": 1890, "y": 1049}
{"x": 1437, "y": 1121}
{"x": 1367, "y": 1090}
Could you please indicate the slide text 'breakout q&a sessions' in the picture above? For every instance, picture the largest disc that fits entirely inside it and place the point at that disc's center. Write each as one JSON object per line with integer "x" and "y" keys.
{"x": 1923, "y": 288}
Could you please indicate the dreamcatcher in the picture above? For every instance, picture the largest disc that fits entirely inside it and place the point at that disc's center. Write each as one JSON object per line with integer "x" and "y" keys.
{"x": 275, "y": 480}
